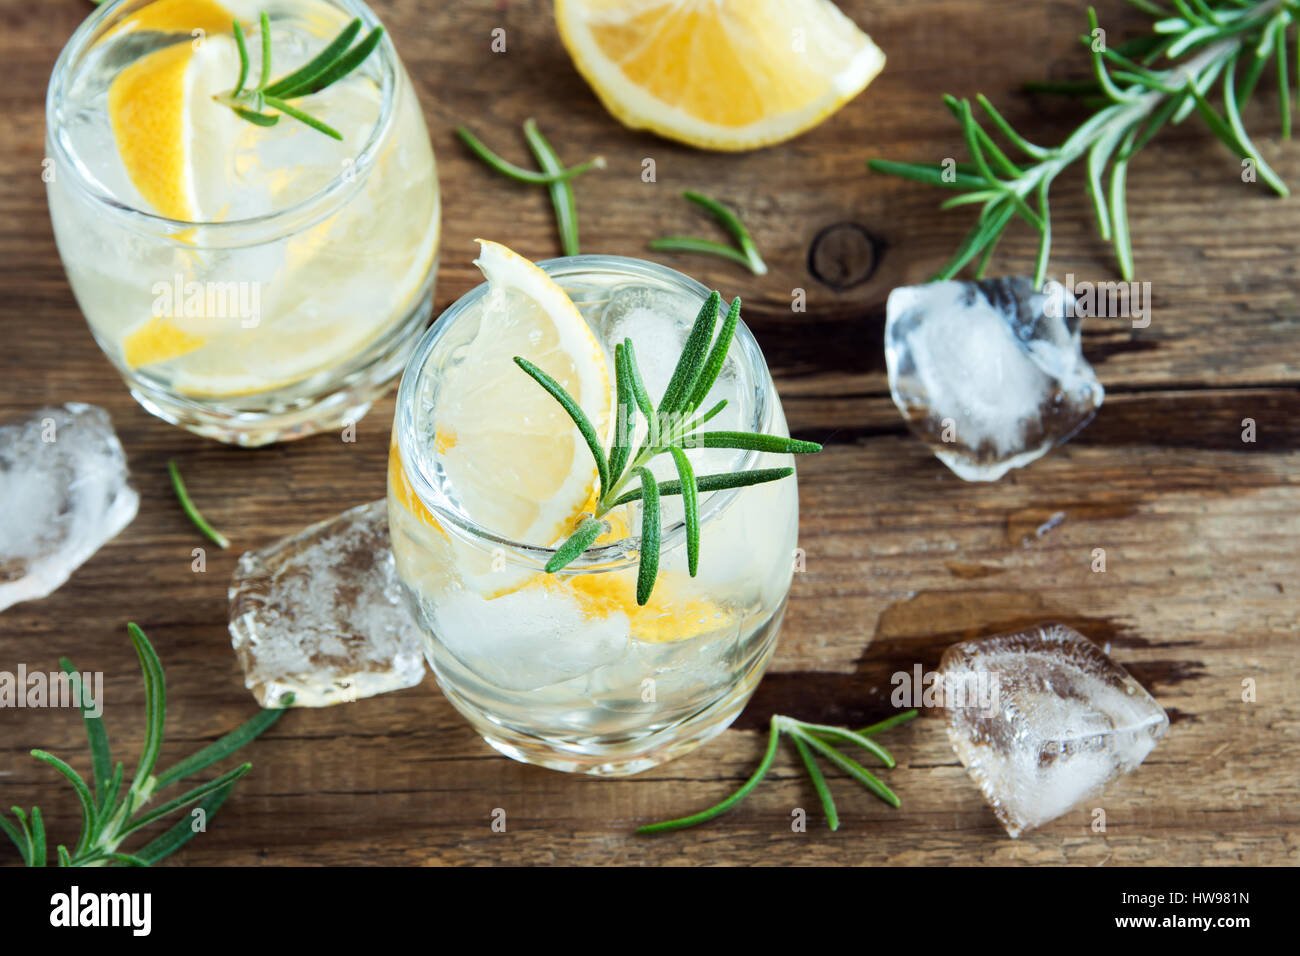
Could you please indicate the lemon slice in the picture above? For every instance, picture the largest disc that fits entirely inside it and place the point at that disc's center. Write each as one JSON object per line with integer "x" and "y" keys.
{"x": 719, "y": 74}
{"x": 158, "y": 340}
{"x": 671, "y": 615}
{"x": 514, "y": 459}
{"x": 179, "y": 16}
{"x": 173, "y": 140}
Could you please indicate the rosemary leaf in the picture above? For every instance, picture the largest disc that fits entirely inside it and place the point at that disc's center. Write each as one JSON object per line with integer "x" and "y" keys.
{"x": 747, "y": 441}
{"x": 182, "y": 831}
{"x": 648, "y": 568}
{"x": 691, "y": 362}
{"x": 155, "y": 704}
{"x": 624, "y": 416}
{"x": 708, "y": 247}
{"x": 588, "y": 531}
{"x": 744, "y": 253}
{"x": 850, "y": 766}
{"x": 928, "y": 174}
{"x": 25, "y": 844}
{"x": 289, "y": 110}
{"x": 717, "y": 358}
{"x": 171, "y": 806}
{"x": 823, "y": 731}
{"x": 562, "y": 196}
{"x": 691, "y": 504}
{"x": 257, "y": 119}
{"x": 734, "y": 226}
{"x": 225, "y": 745}
{"x": 242, "y": 46}
{"x": 819, "y": 784}
{"x": 18, "y": 839}
{"x": 705, "y": 483}
{"x": 518, "y": 173}
{"x": 340, "y": 67}
{"x": 39, "y": 852}
{"x": 318, "y": 64}
{"x": 216, "y": 537}
{"x": 97, "y": 738}
{"x": 265, "y": 23}
{"x": 88, "y": 812}
{"x": 1119, "y": 208}
{"x": 773, "y": 738}
{"x": 639, "y": 392}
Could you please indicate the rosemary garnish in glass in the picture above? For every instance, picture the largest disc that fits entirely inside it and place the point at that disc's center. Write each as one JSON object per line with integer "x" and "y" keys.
{"x": 1226, "y": 43}
{"x": 744, "y": 253}
{"x": 670, "y": 428}
{"x": 336, "y": 61}
{"x": 110, "y": 814}
{"x": 809, "y": 739}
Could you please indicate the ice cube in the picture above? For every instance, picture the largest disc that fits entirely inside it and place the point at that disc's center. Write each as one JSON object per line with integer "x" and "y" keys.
{"x": 65, "y": 493}
{"x": 990, "y": 374}
{"x": 530, "y": 638}
{"x": 1042, "y": 720}
{"x": 323, "y": 614}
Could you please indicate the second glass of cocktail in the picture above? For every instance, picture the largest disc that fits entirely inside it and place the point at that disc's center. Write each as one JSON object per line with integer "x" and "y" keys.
{"x": 244, "y": 198}
{"x": 546, "y": 623}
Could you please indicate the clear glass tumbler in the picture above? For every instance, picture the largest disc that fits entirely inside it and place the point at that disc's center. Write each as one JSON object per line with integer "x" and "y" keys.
{"x": 566, "y": 671}
{"x": 250, "y": 283}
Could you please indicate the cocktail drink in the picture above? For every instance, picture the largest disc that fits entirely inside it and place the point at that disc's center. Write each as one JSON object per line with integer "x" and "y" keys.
{"x": 253, "y": 242}
{"x": 581, "y": 669}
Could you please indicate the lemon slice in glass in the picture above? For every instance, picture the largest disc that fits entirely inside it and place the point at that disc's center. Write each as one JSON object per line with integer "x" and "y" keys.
{"x": 515, "y": 461}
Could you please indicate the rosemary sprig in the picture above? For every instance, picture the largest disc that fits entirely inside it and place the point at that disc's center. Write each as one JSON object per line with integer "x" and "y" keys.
{"x": 108, "y": 814}
{"x": 554, "y": 175}
{"x": 1228, "y": 43}
{"x": 518, "y": 173}
{"x": 215, "y": 536}
{"x": 747, "y": 253}
{"x": 808, "y": 739}
{"x": 335, "y": 61}
{"x": 670, "y": 428}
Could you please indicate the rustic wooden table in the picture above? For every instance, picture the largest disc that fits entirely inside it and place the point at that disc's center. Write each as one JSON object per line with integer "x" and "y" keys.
{"x": 1199, "y": 527}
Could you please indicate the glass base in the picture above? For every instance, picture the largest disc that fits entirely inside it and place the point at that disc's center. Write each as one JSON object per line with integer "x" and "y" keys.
{"x": 327, "y": 401}
{"x": 625, "y": 756}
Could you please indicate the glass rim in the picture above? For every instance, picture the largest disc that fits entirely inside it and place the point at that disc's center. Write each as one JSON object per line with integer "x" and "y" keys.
{"x": 601, "y": 558}
{"x": 252, "y": 230}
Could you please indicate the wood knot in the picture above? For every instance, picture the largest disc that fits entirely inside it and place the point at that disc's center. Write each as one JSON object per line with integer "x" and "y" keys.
{"x": 844, "y": 255}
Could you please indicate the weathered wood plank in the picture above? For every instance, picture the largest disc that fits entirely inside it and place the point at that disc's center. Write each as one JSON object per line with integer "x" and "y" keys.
{"x": 1198, "y": 528}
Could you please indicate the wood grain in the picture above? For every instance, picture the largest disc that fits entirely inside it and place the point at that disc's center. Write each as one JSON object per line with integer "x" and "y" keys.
{"x": 1199, "y": 528}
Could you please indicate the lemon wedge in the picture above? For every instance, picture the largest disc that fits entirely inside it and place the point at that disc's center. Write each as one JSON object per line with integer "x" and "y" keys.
{"x": 158, "y": 340}
{"x": 179, "y": 16}
{"x": 719, "y": 74}
{"x": 173, "y": 140}
{"x": 514, "y": 459}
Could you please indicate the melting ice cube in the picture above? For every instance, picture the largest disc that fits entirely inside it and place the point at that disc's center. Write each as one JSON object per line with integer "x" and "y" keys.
{"x": 990, "y": 374}
{"x": 1042, "y": 719}
{"x": 323, "y": 614}
{"x": 529, "y": 639}
{"x": 63, "y": 495}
